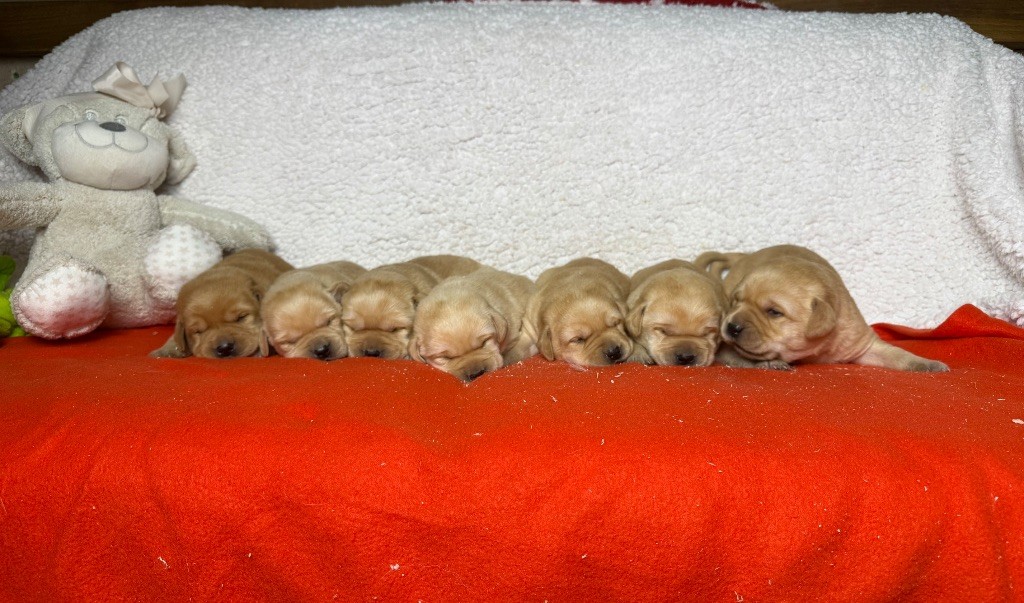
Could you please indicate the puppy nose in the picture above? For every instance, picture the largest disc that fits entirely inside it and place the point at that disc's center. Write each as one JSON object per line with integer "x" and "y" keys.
{"x": 113, "y": 126}
{"x": 322, "y": 351}
{"x": 685, "y": 359}
{"x": 733, "y": 329}
{"x": 472, "y": 376}
{"x": 225, "y": 349}
{"x": 372, "y": 352}
{"x": 613, "y": 354}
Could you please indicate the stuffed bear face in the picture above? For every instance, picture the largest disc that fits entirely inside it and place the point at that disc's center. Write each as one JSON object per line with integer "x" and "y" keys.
{"x": 103, "y": 142}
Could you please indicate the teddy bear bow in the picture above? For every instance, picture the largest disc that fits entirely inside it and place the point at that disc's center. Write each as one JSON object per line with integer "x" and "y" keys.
{"x": 160, "y": 97}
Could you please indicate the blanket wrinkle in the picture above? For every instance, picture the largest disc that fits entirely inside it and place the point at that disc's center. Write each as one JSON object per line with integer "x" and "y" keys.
{"x": 524, "y": 134}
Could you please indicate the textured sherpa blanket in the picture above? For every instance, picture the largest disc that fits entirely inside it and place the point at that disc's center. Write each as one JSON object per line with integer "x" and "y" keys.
{"x": 526, "y": 134}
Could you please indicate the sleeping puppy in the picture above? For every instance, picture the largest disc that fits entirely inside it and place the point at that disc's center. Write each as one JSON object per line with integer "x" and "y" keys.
{"x": 577, "y": 314}
{"x": 379, "y": 307}
{"x": 470, "y": 325}
{"x": 301, "y": 311}
{"x": 675, "y": 312}
{"x": 219, "y": 310}
{"x": 788, "y": 304}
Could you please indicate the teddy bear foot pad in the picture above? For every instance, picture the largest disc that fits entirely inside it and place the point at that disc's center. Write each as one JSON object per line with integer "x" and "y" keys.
{"x": 67, "y": 301}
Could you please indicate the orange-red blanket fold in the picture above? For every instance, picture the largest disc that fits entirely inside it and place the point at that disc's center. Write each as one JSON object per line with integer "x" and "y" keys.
{"x": 124, "y": 477}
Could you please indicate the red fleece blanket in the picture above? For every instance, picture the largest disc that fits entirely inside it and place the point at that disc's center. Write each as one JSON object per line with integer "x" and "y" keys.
{"x": 127, "y": 477}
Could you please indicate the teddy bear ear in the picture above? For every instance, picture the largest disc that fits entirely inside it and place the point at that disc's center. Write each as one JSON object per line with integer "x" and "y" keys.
{"x": 13, "y": 128}
{"x": 182, "y": 159}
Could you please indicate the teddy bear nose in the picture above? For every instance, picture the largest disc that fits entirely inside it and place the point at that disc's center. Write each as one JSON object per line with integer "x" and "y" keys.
{"x": 113, "y": 126}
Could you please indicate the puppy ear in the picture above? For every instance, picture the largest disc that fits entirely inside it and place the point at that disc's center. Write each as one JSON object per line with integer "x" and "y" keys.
{"x": 531, "y": 320}
{"x": 264, "y": 344}
{"x": 822, "y": 320}
{"x": 635, "y": 320}
{"x": 414, "y": 349}
{"x": 337, "y": 290}
{"x": 545, "y": 344}
{"x": 500, "y": 328}
{"x": 176, "y": 346}
{"x": 257, "y": 291}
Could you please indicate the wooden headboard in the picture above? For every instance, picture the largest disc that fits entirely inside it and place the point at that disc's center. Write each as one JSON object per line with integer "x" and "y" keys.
{"x": 32, "y": 29}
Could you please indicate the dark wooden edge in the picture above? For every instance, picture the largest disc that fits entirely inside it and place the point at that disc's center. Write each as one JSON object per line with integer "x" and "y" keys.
{"x": 32, "y": 29}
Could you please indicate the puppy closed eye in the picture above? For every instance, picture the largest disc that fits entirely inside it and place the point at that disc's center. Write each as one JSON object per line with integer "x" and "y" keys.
{"x": 773, "y": 312}
{"x": 578, "y": 340}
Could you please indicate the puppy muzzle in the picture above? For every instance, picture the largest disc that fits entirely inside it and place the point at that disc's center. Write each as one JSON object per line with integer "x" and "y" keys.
{"x": 744, "y": 338}
{"x": 321, "y": 350}
{"x": 473, "y": 373}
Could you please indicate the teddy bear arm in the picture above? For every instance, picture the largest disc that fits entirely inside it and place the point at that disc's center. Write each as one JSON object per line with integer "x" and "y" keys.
{"x": 230, "y": 230}
{"x": 27, "y": 205}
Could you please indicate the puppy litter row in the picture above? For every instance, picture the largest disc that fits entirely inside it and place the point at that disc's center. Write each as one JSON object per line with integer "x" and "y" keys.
{"x": 770, "y": 309}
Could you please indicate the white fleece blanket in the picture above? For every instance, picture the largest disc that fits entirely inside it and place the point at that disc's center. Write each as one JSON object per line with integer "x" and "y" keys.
{"x": 527, "y": 134}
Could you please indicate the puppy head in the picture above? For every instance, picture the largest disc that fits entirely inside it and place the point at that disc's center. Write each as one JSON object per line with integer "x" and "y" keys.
{"x": 303, "y": 320}
{"x": 218, "y": 321}
{"x": 463, "y": 337}
{"x": 583, "y": 331}
{"x": 781, "y": 312}
{"x": 675, "y": 316}
{"x": 377, "y": 316}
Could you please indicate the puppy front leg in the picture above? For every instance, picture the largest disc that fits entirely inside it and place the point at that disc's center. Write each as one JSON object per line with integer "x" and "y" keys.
{"x": 886, "y": 355}
{"x": 641, "y": 355}
{"x": 524, "y": 348}
{"x": 728, "y": 356}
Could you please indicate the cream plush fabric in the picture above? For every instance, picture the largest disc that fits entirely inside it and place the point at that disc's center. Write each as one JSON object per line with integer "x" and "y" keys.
{"x": 524, "y": 134}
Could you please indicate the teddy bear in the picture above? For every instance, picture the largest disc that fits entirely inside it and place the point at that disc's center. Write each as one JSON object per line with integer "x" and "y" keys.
{"x": 108, "y": 250}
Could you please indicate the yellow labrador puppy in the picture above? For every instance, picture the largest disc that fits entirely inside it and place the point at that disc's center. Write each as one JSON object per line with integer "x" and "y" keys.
{"x": 788, "y": 304}
{"x": 471, "y": 325}
{"x": 219, "y": 310}
{"x": 379, "y": 307}
{"x": 675, "y": 313}
{"x": 577, "y": 314}
{"x": 302, "y": 311}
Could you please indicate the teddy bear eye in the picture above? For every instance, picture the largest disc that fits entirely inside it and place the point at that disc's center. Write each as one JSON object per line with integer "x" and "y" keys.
{"x": 91, "y": 115}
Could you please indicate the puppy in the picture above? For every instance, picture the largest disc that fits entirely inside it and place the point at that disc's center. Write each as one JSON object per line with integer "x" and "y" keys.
{"x": 577, "y": 314}
{"x": 302, "y": 311}
{"x": 470, "y": 325}
{"x": 788, "y": 305}
{"x": 379, "y": 307}
{"x": 219, "y": 310}
{"x": 675, "y": 312}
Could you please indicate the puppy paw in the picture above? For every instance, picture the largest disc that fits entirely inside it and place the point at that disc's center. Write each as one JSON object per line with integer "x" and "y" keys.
{"x": 774, "y": 365}
{"x": 66, "y": 301}
{"x": 923, "y": 365}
